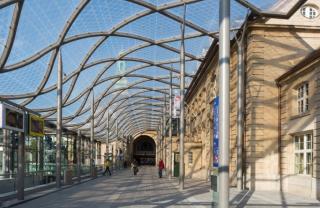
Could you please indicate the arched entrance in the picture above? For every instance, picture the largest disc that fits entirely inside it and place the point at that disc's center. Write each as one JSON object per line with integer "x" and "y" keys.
{"x": 144, "y": 150}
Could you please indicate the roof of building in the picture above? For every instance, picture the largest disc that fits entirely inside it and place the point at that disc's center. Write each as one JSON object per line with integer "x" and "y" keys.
{"x": 117, "y": 53}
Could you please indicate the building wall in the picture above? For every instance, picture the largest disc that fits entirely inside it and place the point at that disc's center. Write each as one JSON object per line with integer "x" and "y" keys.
{"x": 293, "y": 124}
{"x": 271, "y": 50}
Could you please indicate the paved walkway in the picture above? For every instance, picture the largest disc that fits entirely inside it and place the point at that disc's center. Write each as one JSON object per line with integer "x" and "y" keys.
{"x": 147, "y": 190}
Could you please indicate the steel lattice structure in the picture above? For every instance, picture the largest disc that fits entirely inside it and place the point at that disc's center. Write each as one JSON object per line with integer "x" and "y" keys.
{"x": 134, "y": 98}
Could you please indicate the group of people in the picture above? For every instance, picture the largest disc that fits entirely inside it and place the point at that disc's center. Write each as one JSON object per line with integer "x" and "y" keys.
{"x": 134, "y": 167}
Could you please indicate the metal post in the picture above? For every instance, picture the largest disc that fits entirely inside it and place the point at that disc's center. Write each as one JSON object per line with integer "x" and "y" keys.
{"x": 164, "y": 132}
{"x": 170, "y": 128}
{"x": 116, "y": 155}
{"x": 92, "y": 135}
{"x": 96, "y": 153}
{"x": 161, "y": 139}
{"x": 59, "y": 121}
{"x": 240, "y": 116}
{"x": 158, "y": 144}
{"x": 11, "y": 147}
{"x": 108, "y": 123}
{"x": 20, "y": 173}
{"x": 79, "y": 156}
{"x": 224, "y": 96}
{"x": 182, "y": 69}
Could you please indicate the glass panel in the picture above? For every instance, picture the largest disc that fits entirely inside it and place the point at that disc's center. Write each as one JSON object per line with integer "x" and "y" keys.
{"x": 308, "y": 169}
{"x": 301, "y": 143}
{"x": 296, "y": 143}
{"x": 309, "y": 142}
{"x": 309, "y": 163}
{"x": 309, "y": 157}
{"x": 307, "y": 104}
{"x": 31, "y": 154}
{"x": 299, "y": 157}
{"x": 50, "y": 153}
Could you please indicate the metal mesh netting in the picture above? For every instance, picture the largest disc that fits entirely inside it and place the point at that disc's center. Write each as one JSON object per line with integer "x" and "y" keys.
{"x": 121, "y": 50}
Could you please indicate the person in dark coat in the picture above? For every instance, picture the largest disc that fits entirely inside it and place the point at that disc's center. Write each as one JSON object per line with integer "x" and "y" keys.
{"x": 161, "y": 167}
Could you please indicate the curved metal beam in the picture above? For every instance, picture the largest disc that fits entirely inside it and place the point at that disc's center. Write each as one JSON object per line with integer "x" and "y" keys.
{"x": 5, "y": 3}
{"x": 95, "y": 47}
{"x": 149, "y": 42}
{"x": 12, "y": 33}
{"x": 53, "y": 57}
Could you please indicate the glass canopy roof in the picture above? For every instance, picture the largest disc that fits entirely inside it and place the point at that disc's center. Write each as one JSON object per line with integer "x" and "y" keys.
{"x": 122, "y": 51}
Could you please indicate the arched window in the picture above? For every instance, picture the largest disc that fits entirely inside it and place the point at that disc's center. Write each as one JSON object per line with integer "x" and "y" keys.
{"x": 310, "y": 11}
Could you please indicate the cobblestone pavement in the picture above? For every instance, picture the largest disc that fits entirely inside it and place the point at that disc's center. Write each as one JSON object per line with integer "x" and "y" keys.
{"x": 147, "y": 190}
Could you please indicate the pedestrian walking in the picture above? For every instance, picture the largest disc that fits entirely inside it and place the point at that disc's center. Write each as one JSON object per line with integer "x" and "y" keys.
{"x": 134, "y": 166}
{"x": 107, "y": 167}
{"x": 161, "y": 167}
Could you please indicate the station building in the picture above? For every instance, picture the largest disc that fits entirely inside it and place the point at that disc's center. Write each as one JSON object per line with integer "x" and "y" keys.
{"x": 281, "y": 127}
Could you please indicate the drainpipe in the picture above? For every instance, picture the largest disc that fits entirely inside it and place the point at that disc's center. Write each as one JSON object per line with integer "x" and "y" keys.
{"x": 240, "y": 116}
{"x": 279, "y": 136}
{"x": 240, "y": 106}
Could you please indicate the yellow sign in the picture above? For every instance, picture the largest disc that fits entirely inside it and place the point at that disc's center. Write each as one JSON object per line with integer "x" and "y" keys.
{"x": 36, "y": 126}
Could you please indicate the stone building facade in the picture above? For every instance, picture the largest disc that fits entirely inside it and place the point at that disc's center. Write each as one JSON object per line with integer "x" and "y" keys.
{"x": 272, "y": 48}
{"x": 299, "y": 91}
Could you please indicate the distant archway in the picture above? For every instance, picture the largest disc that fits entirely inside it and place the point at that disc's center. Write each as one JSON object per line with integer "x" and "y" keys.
{"x": 144, "y": 150}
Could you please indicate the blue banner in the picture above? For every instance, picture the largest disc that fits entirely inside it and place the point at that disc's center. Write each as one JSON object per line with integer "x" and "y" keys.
{"x": 216, "y": 132}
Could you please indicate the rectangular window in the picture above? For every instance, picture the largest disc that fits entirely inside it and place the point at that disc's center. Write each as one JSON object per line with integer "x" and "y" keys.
{"x": 303, "y": 98}
{"x": 190, "y": 158}
{"x": 303, "y": 154}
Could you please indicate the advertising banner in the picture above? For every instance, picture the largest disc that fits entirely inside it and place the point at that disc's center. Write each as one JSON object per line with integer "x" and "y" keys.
{"x": 176, "y": 105}
{"x": 215, "y": 173}
{"x": 11, "y": 118}
{"x": 216, "y": 132}
{"x": 36, "y": 126}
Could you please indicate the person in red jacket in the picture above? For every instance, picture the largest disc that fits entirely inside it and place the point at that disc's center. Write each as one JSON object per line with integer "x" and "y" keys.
{"x": 161, "y": 167}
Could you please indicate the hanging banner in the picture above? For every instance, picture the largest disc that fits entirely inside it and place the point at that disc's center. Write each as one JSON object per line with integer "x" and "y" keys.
{"x": 176, "y": 105}
{"x": 11, "y": 118}
{"x": 216, "y": 132}
{"x": 36, "y": 126}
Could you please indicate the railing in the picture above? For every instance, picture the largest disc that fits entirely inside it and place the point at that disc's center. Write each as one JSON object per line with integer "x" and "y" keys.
{"x": 40, "y": 177}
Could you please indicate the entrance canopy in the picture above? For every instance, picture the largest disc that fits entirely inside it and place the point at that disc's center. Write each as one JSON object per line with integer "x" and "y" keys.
{"x": 122, "y": 51}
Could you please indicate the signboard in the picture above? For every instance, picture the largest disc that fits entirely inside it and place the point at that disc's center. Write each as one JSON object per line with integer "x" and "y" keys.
{"x": 36, "y": 126}
{"x": 11, "y": 118}
{"x": 215, "y": 173}
{"x": 176, "y": 105}
{"x": 216, "y": 132}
